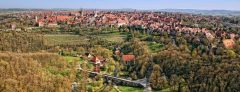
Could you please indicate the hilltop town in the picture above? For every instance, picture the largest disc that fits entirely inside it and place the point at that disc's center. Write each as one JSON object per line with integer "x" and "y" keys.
{"x": 211, "y": 26}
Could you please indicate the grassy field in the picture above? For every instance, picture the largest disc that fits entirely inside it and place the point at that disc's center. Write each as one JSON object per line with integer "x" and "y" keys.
{"x": 129, "y": 89}
{"x": 68, "y": 39}
{"x": 71, "y": 59}
{"x": 113, "y": 36}
{"x": 154, "y": 47}
{"x": 64, "y": 39}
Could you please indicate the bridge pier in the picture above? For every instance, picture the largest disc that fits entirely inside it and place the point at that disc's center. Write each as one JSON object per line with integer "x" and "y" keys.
{"x": 148, "y": 88}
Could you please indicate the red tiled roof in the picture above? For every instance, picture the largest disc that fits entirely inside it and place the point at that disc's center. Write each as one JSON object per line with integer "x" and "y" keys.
{"x": 127, "y": 58}
{"x": 64, "y": 17}
{"x": 228, "y": 43}
{"x": 94, "y": 59}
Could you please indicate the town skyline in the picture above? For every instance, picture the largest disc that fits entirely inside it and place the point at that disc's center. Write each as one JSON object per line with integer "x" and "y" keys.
{"x": 124, "y": 4}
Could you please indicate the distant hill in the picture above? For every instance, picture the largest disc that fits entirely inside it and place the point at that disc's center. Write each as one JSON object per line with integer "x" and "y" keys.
{"x": 205, "y": 12}
{"x": 17, "y": 10}
{"x": 191, "y": 11}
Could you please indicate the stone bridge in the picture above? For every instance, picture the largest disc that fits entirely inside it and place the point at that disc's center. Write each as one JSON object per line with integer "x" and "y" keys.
{"x": 118, "y": 81}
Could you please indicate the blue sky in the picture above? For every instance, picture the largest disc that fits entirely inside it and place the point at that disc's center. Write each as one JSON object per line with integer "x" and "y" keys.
{"x": 120, "y": 4}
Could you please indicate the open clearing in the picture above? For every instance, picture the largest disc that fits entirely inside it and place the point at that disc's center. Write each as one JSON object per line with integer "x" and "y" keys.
{"x": 113, "y": 36}
{"x": 154, "y": 47}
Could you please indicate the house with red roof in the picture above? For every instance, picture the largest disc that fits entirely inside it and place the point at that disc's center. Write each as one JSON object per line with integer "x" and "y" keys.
{"x": 228, "y": 43}
{"x": 64, "y": 18}
{"x": 128, "y": 58}
{"x": 98, "y": 62}
{"x": 52, "y": 24}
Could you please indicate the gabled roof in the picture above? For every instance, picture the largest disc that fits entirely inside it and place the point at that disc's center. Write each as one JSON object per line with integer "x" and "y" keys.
{"x": 127, "y": 58}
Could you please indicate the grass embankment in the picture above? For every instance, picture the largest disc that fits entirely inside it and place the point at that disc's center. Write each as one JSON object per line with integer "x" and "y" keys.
{"x": 130, "y": 89}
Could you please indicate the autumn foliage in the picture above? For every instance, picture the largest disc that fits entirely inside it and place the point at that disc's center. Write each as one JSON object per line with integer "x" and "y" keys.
{"x": 21, "y": 41}
{"x": 34, "y": 72}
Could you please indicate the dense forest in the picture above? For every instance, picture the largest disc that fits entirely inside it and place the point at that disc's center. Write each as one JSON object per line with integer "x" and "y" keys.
{"x": 35, "y": 72}
{"x": 187, "y": 62}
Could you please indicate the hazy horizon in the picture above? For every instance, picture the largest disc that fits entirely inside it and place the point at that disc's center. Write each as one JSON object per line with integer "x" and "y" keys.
{"x": 124, "y": 4}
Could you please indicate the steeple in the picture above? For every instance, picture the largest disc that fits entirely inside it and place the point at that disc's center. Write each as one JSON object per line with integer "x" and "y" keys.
{"x": 36, "y": 18}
